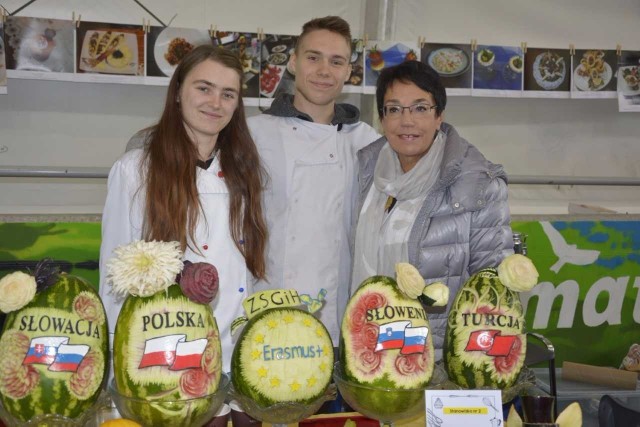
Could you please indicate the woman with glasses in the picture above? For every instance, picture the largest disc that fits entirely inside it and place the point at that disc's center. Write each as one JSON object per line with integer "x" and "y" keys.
{"x": 427, "y": 196}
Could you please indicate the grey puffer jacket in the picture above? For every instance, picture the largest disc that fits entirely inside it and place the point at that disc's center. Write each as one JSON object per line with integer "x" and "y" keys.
{"x": 463, "y": 225}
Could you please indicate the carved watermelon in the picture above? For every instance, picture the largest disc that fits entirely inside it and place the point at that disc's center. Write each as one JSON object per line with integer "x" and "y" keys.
{"x": 166, "y": 348}
{"x": 284, "y": 355}
{"x": 53, "y": 352}
{"x": 386, "y": 342}
{"x": 485, "y": 343}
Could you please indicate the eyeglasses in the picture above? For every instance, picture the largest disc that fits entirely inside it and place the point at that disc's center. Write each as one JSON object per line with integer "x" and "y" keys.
{"x": 419, "y": 110}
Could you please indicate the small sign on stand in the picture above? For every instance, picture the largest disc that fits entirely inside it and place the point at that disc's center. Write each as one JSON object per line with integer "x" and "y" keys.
{"x": 453, "y": 408}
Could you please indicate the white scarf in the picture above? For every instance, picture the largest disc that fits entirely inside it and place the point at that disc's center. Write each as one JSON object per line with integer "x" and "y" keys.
{"x": 381, "y": 237}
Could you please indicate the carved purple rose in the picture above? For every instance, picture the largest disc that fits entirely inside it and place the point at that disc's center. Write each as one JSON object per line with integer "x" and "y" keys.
{"x": 199, "y": 282}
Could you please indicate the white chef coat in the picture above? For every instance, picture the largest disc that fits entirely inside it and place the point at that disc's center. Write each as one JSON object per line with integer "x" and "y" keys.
{"x": 308, "y": 203}
{"x": 122, "y": 223}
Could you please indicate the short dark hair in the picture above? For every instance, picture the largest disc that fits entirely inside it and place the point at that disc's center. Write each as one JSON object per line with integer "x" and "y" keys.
{"x": 334, "y": 24}
{"x": 416, "y": 72}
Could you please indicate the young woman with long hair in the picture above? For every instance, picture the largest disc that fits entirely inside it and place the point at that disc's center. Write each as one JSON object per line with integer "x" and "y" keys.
{"x": 197, "y": 181}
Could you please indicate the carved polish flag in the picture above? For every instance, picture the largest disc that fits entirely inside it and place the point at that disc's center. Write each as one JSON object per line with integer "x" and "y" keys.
{"x": 160, "y": 351}
{"x": 189, "y": 354}
{"x": 391, "y": 335}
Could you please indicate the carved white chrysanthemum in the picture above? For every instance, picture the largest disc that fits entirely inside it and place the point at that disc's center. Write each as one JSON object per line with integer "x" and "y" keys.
{"x": 144, "y": 268}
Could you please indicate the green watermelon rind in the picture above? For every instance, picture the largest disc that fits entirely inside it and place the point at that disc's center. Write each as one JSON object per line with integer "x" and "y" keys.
{"x": 241, "y": 366}
{"x": 52, "y": 397}
{"x": 378, "y": 393}
{"x": 478, "y": 371}
{"x": 381, "y": 284}
{"x": 171, "y": 407}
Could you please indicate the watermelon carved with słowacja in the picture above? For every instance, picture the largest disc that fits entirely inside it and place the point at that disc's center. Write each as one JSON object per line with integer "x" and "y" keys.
{"x": 485, "y": 343}
{"x": 385, "y": 342}
{"x": 166, "y": 348}
{"x": 54, "y": 352}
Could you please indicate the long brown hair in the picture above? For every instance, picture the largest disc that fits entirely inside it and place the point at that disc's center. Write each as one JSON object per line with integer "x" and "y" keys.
{"x": 173, "y": 207}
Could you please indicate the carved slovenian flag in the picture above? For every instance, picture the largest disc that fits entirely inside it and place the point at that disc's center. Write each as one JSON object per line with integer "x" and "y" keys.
{"x": 391, "y": 335}
{"x": 414, "y": 340}
{"x": 43, "y": 350}
{"x": 69, "y": 357}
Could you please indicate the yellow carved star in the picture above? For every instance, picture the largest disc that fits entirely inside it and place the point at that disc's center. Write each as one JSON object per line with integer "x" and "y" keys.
{"x": 259, "y": 338}
{"x": 275, "y": 382}
{"x": 272, "y": 324}
{"x": 306, "y": 322}
{"x": 325, "y": 350}
{"x": 287, "y": 318}
{"x": 255, "y": 354}
{"x": 294, "y": 386}
{"x": 311, "y": 381}
{"x": 323, "y": 366}
{"x": 319, "y": 332}
{"x": 262, "y": 372}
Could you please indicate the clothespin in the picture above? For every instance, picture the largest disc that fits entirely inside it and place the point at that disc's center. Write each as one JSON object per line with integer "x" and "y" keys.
{"x": 3, "y": 15}
{"x": 261, "y": 35}
{"x": 572, "y": 49}
{"x": 74, "y": 20}
{"x": 212, "y": 31}
{"x": 421, "y": 41}
{"x": 523, "y": 45}
{"x": 146, "y": 25}
{"x": 474, "y": 45}
{"x": 366, "y": 39}
{"x": 619, "y": 49}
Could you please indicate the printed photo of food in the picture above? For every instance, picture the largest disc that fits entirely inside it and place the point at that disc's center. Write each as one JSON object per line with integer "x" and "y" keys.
{"x": 110, "y": 48}
{"x": 593, "y": 70}
{"x": 498, "y": 68}
{"x": 276, "y": 74}
{"x": 451, "y": 61}
{"x": 248, "y": 47}
{"x": 37, "y": 44}
{"x": 383, "y": 54}
{"x": 166, "y": 46}
{"x": 3, "y": 66}
{"x": 547, "y": 69}
{"x": 356, "y": 78}
{"x": 629, "y": 80}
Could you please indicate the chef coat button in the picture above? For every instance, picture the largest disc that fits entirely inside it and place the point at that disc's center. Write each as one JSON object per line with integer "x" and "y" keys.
{"x": 205, "y": 247}
{"x": 456, "y": 205}
{"x": 295, "y": 128}
{"x": 331, "y": 155}
{"x": 220, "y": 174}
{"x": 241, "y": 289}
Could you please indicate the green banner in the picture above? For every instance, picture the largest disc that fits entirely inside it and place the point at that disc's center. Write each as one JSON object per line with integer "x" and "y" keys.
{"x": 586, "y": 301}
{"x": 73, "y": 246}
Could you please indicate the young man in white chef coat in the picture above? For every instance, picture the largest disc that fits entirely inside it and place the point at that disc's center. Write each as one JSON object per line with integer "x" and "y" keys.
{"x": 308, "y": 144}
